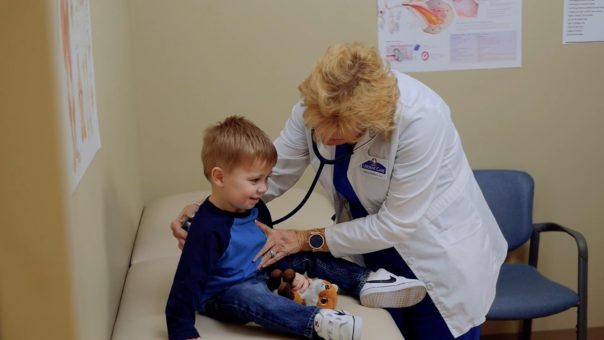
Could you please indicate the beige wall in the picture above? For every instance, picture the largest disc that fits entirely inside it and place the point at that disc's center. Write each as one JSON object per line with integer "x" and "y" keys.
{"x": 34, "y": 256}
{"x": 197, "y": 61}
{"x": 165, "y": 70}
{"x": 106, "y": 206}
{"x": 64, "y": 255}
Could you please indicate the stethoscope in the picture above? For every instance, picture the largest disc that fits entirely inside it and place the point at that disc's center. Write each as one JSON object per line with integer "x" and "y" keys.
{"x": 322, "y": 162}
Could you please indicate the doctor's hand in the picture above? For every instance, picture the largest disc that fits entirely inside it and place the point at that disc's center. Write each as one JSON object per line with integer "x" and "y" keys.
{"x": 279, "y": 243}
{"x": 177, "y": 231}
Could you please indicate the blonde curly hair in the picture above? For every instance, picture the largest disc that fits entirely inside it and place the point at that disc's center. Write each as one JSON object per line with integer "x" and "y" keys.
{"x": 350, "y": 90}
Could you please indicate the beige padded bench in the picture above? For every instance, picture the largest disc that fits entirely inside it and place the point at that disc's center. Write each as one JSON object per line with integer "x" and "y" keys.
{"x": 155, "y": 256}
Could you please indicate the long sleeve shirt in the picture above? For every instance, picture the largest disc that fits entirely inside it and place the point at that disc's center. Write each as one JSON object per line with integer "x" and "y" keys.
{"x": 218, "y": 253}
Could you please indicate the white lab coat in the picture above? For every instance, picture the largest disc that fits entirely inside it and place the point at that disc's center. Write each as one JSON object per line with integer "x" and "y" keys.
{"x": 424, "y": 202}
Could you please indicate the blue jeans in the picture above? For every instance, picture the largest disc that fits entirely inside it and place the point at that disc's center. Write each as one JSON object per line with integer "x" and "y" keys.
{"x": 252, "y": 301}
{"x": 423, "y": 320}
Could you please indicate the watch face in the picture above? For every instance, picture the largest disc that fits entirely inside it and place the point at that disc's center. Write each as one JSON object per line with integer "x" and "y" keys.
{"x": 316, "y": 241}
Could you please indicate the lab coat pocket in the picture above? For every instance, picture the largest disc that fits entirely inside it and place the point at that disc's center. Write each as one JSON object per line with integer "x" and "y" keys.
{"x": 457, "y": 222}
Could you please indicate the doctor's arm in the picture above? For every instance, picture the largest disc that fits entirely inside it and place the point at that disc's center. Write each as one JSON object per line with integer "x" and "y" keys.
{"x": 418, "y": 160}
{"x": 422, "y": 144}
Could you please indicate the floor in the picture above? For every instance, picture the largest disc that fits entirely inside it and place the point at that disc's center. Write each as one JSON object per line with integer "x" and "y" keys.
{"x": 592, "y": 334}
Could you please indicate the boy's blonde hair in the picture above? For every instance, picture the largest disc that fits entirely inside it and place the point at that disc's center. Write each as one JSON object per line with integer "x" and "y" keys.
{"x": 234, "y": 142}
{"x": 350, "y": 90}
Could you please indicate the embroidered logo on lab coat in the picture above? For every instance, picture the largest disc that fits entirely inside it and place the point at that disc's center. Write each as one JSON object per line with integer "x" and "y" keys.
{"x": 374, "y": 167}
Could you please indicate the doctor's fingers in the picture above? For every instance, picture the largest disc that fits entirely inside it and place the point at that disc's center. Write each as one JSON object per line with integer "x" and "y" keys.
{"x": 188, "y": 212}
{"x": 286, "y": 241}
{"x": 269, "y": 244}
{"x": 264, "y": 251}
{"x": 178, "y": 232}
{"x": 269, "y": 260}
{"x": 280, "y": 240}
{"x": 263, "y": 227}
{"x": 271, "y": 255}
{"x": 280, "y": 243}
{"x": 265, "y": 261}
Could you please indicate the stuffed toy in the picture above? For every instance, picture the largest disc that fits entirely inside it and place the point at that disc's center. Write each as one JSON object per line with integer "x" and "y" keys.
{"x": 320, "y": 293}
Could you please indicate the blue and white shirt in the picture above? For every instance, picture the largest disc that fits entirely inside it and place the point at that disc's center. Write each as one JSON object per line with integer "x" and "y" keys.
{"x": 218, "y": 254}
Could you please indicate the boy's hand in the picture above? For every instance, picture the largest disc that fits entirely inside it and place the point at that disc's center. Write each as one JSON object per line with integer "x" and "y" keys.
{"x": 179, "y": 233}
{"x": 300, "y": 283}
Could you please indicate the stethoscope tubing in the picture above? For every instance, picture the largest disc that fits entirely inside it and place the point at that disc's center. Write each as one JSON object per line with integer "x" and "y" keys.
{"x": 306, "y": 197}
{"x": 322, "y": 162}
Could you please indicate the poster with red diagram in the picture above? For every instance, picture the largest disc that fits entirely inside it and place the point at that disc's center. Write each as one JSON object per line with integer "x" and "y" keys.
{"x": 439, "y": 35}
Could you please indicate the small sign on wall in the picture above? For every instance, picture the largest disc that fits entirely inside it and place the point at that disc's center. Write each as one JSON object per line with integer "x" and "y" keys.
{"x": 583, "y": 21}
{"x": 82, "y": 118}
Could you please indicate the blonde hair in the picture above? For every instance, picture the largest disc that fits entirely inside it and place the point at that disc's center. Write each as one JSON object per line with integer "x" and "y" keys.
{"x": 234, "y": 142}
{"x": 350, "y": 90}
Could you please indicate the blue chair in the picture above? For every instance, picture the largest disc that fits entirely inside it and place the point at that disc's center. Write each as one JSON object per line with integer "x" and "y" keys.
{"x": 522, "y": 292}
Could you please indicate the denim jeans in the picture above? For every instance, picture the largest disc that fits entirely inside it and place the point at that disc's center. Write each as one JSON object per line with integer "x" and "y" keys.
{"x": 252, "y": 301}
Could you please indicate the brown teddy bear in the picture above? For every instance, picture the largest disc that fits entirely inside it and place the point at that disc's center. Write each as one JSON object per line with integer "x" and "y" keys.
{"x": 320, "y": 293}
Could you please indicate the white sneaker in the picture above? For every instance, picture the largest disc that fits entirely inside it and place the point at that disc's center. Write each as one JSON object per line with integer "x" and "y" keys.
{"x": 337, "y": 325}
{"x": 386, "y": 290}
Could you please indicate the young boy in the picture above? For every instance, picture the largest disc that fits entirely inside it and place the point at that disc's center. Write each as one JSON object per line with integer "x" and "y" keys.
{"x": 216, "y": 274}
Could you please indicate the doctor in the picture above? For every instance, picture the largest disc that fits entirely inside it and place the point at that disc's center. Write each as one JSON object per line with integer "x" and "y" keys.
{"x": 403, "y": 190}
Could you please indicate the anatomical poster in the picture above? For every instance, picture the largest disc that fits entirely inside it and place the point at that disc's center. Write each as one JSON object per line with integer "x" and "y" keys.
{"x": 81, "y": 115}
{"x": 438, "y": 35}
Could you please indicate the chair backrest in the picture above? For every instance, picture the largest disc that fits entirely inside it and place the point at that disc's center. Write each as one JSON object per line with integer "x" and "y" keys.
{"x": 509, "y": 194}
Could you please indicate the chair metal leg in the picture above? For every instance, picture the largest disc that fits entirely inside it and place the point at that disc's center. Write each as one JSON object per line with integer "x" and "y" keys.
{"x": 526, "y": 329}
{"x": 581, "y": 322}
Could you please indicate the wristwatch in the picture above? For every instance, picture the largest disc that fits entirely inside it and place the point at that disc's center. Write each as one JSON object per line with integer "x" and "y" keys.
{"x": 316, "y": 241}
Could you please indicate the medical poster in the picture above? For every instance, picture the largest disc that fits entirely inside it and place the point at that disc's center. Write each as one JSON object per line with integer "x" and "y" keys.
{"x": 583, "y": 21}
{"x": 81, "y": 116}
{"x": 438, "y": 35}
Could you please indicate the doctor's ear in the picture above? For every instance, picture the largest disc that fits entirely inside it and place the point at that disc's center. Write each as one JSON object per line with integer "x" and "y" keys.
{"x": 217, "y": 176}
